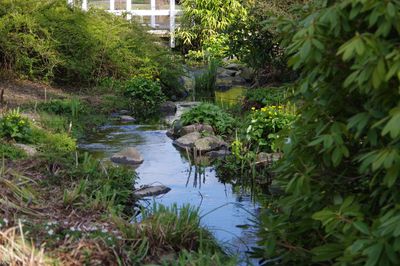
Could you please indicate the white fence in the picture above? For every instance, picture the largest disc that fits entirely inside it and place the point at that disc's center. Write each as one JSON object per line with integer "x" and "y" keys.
{"x": 129, "y": 11}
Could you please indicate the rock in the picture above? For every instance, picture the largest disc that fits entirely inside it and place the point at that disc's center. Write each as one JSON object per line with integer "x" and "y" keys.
{"x": 170, "y": 133}
{"x": 238, "y": 80}
{"x": 218, "y": 154}
{"x": 150, "y": 191}
{"x": 223, "y": 73}
{"x": 196, "y": 128}
{"x": 224, "y": 83}
{"x": 266, "y": 159}
{"x": 168, "y": 108}
{"x": 124, "y": 112}
{"x": 247, "y": 74}
{"x": 127, "y": 156}
{"x": 29, "y": 150}
{"x": 188, "y": 140}
{"x": 210, "y": 143}
{"x": 187, "y": 82}
{"x": 126, "y": 118}
{"x": 233, "y": 66}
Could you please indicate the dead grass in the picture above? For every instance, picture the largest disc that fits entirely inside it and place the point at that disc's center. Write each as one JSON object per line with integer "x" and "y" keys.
{"x": 15, "y": 250}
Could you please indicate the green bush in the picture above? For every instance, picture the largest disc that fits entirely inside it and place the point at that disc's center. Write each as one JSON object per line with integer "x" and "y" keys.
{"x": 210, "y": 114}
{"x": 145, "y": 96}
{"x": 265, "y": 125}
{"x": 51, "y": 41}
{"x": 14, "y": 126}
{"x": 53, "y": 144}
{"x": 341, "y": 170}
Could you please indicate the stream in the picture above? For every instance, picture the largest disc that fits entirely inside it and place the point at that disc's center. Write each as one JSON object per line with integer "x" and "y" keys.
{"x": 225, "y": 209}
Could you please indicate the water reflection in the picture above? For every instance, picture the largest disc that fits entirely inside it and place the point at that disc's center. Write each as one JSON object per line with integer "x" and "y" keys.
{"x": 223, "y": 208}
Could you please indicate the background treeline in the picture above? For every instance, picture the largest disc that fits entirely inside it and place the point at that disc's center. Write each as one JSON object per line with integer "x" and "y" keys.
{"x": 47, "y": 40}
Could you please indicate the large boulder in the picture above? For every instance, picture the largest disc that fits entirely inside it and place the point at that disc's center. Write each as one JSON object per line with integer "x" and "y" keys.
{"x": 168, "y": 108}
{"x": 187, "y": 141}
{"x": 150, "y": 191}
{"x": 128, "y": 156}
{"x": 209, "y": 143}
{"x": 196, "y": 128}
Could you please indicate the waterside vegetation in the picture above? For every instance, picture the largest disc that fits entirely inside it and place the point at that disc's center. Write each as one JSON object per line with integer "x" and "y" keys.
{"x": 316, "y": 132}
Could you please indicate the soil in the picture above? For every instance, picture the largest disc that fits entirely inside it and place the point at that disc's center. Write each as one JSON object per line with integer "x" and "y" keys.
{"x": 21, "y": 92}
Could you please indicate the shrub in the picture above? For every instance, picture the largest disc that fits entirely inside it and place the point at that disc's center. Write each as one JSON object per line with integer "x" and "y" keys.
{"x": 210, "y": 114}
{"x": 145, "y": 96}
{"x": 53, "y": 144}
{"x": 265, "y": 125}
{"x": 14, "y": 126}
{"x": 51, "y": 41}
{"x": 341, "y": 170}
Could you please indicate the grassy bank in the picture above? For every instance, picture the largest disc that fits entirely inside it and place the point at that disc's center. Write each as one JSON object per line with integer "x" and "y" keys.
{"x": 64, "y": 207}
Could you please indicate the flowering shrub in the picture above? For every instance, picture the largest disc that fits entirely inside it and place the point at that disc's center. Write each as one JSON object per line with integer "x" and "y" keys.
{"x": 265, "y": 125}
{"x": 14, "y": 126}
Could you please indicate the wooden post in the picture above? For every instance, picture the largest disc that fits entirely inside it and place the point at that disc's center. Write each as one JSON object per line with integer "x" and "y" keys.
{"x": 172, "y": 14}
{"x": 85, "y": 5}
{"x": 112, "y": 5}
{"x": 153, "y": 17}
{"x": 128, "y": 9}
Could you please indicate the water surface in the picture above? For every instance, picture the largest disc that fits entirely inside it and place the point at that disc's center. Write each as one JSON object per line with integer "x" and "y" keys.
{"x": 223, "y": 209}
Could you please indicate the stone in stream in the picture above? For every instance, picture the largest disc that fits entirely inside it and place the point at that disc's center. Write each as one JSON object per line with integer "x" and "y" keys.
{"x": 124, "y": 112}
{"x": 233, "y": 66}
{"x": 218, "y": 154}
{"x": 223, "y": 73}
{"x": 127, "y": 118}
{"x": 209, "y": 143}
{"x": 150, "y": 191}
{"x": 127, "y": 156}
{"x": 196, "y": 128}
{"x": 168, "y": 108}
{"x": 187, "y": 141}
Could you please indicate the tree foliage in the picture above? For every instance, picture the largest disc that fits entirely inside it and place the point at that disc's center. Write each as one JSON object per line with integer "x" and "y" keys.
{"x": 341, "y": 171}
{"x": 52, "y": 41}
{"x": 204, "y": 23}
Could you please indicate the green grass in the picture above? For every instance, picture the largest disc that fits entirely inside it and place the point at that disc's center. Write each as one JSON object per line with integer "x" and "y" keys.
{"x": 9, "y": 151}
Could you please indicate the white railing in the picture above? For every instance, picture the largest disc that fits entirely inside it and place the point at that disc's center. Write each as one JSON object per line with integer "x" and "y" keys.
{"x": 172, "y": 13}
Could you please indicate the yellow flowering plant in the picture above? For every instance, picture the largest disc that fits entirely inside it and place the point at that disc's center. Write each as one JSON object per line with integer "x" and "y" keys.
{"x": 265, "y": 124}
{"x": 14, "y": 126}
